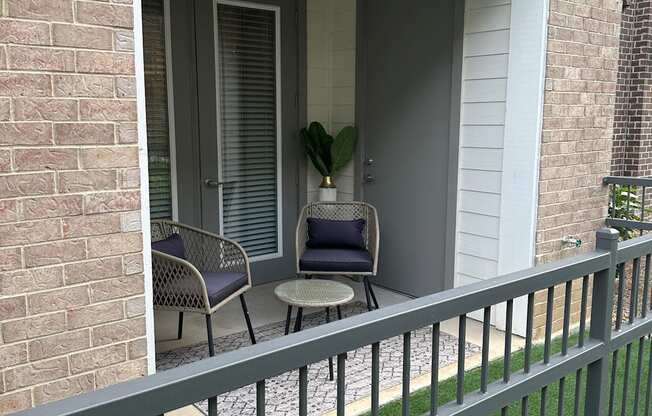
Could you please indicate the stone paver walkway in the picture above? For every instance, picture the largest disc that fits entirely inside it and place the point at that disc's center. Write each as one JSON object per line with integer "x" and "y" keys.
{"x": 282, "y": 391}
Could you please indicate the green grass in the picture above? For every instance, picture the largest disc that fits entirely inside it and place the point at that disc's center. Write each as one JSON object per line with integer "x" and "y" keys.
{"x": 420, "y": 400}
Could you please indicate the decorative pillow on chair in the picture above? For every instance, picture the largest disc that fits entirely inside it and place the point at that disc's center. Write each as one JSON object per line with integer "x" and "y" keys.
{"x": 173, "y": 245}
{"x": 335, "y": 233}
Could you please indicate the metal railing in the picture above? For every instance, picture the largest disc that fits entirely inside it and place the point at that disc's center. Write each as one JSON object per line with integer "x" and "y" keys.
{"x": 607, "y": 333}
{"x": 627, "y": 204}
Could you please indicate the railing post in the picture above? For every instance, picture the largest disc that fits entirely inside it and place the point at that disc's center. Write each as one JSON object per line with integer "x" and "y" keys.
{"x": 600, "y": 330}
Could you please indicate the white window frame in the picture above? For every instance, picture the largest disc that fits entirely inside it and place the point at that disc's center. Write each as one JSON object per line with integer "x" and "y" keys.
{"x": 170, "y": 103}
{"x": 279, "y": 129}
{"x": 169, "y": 81}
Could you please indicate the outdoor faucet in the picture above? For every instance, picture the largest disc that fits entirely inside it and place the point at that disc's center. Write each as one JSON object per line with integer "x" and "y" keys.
{"x": 570, "y": 240}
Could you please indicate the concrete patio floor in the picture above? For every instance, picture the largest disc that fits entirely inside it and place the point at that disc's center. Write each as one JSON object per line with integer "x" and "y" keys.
{"x": 264, "y": 309}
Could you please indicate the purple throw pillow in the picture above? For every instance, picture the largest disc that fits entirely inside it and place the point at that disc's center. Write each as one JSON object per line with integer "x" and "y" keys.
{"x": 173, "y": 245}
{"x": 335, "y": 234}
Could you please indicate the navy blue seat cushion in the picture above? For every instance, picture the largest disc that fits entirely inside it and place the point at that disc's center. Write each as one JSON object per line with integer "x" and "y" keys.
{"x": 221, "y": 285}
{"x": 335, "y": 233}
{"x": 173, "y": 245}
{"x": 336, "y": 260}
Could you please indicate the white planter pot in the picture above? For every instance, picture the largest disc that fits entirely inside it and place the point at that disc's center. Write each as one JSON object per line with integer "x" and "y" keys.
{"x": 327, "y": 194}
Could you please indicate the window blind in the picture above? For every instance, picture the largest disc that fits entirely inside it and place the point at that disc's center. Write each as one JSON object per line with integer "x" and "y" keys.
{"x": 156, "y": 99}
{"x": 248, "y": 108}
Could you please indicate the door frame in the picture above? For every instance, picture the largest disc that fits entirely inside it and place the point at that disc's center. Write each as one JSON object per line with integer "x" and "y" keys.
{"x": 170, "y": 104}
{"x": 454, "y": 127}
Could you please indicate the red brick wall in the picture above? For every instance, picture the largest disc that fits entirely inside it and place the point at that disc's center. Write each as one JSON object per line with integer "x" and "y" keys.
{"x": 71, "y": 283}
{"x": 632, "y": 155}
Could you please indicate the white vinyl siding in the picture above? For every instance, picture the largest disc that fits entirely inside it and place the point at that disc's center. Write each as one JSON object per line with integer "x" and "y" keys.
{"x": 523, "y": 125}
{"x": 482, "y": 132}
{"x": 502, "y": 88}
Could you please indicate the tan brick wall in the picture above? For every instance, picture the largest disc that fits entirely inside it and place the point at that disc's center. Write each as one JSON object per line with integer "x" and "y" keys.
{"x": 581, "y": 74}
{"x": 71, "y": 282}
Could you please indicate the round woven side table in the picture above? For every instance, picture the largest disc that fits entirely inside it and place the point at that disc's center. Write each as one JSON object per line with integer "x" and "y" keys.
{"x": 313, "y": 293}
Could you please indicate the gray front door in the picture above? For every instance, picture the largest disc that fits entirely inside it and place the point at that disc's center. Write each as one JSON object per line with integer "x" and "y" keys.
{"x": 408, "y": 97}
{"x": 248, "y": 150}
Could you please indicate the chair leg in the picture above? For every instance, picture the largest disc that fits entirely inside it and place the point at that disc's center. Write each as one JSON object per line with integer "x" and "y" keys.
{"x": 245, "y": 311}
{"x": 209, "y": 333}
{"x": 180, "y": 326}
{"x": 297, "y": 323}
{"x": 339, "y": 318}
{"x": 373, "y": 294}
{"x": 365, "y": 283}
{"x": 288, "y": 319}
{"x": 331, "y": 373}
{"x": 212, "y": 401}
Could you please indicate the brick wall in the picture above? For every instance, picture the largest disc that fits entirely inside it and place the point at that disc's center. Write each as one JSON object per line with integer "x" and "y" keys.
{"x": 71, "y": 284}
{"x": 632, "y": 153}
{"x": 581, "y": 73}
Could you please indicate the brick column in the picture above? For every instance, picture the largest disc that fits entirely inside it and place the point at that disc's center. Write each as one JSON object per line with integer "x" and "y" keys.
{"x": 71, "y": 282}
{"x": 581, "y": 73}
{"x": 632, "y": 154}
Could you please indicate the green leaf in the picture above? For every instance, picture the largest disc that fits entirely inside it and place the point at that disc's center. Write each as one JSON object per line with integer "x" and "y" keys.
{"x": 318, "y": 145}
{"x": 323, "y": 142}
{"x": 329, "y": 155}
{"x": 343, "y": 148}
{"x": 312, "y": 148}
{"x": 317, "y": 130}
{"x": 326, "y": 143}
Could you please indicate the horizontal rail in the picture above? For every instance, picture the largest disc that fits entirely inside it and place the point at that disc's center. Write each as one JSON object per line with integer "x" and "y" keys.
{"x": 627, "y": 180}
{"x": 627, "y": 204}
{"x": 634, "y": 248}
{"x": 501, "y": 394}
{"x": 621, "y": 223}
{"x": 194, "y": 382}
{"x": 630, "y": 332}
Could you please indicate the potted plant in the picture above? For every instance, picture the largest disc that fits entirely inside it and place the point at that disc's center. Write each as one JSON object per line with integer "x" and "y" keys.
{"x": 328, "y": 155}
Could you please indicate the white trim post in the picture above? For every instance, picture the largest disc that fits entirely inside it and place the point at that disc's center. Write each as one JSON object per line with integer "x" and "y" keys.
{"x": 521, "y": 147}
{"x": 144, "y": 185}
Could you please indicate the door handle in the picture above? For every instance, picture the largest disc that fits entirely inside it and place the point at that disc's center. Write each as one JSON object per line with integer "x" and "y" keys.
{"x": 213, "y": 183}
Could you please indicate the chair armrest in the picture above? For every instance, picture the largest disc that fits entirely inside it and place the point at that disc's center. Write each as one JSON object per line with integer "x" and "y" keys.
{"x": 301, "y": 236}
{"x": 373, "y": 240}
{"x": 210, "y": 252}
{"x": 178, "y": 285}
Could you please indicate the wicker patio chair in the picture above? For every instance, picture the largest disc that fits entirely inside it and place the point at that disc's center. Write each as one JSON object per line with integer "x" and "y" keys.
{"x": 338, "y": 261}
{"x": 197, "y": 271}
